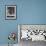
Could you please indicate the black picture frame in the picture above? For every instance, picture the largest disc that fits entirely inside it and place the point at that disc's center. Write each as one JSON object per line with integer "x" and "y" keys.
{"x": 10, "y": 12}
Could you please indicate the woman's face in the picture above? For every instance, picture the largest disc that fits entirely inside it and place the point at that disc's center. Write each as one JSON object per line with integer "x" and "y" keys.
{"x": 11, "y": 10}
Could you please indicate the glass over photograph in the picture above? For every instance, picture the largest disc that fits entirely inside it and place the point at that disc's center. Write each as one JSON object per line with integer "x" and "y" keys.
{"x": 10, "y": 12}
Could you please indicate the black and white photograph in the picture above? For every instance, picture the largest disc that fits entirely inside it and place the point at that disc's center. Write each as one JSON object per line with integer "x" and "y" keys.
{"x": 10, "y": 12}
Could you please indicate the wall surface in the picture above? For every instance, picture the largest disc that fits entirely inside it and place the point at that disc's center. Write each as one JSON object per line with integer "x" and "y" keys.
{"x": 28, "y": 12}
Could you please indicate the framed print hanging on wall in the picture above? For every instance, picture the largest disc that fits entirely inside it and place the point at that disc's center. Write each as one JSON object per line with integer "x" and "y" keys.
{"x": 10, "y": 12}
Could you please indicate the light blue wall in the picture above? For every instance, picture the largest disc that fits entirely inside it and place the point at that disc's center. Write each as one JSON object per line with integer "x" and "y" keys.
{"x": 28, "y": 12}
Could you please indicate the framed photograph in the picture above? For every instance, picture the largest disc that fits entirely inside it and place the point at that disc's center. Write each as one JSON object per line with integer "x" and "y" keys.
{"x": 10, "y": 12}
